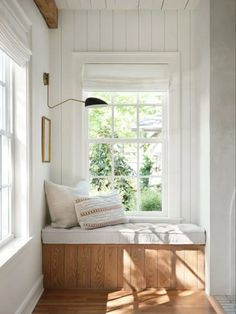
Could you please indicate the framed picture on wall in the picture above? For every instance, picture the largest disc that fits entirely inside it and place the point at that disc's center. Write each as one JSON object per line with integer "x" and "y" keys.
{"x": 46, "y": 139}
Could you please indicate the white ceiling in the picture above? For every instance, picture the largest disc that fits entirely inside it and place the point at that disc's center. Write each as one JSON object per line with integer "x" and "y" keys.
{"x": 126, "y": 4}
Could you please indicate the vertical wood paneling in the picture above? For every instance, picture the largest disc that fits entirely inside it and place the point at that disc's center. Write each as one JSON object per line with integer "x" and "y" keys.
{"x": 66, "y": 129}
{"x": 81, "y": 30}
{"x": 171, "y": 30}
{"x": 47, "y": 266}
{"x": 57, "y": 266}
{"x": 145, "y": 30}
{"x": 158, "y": 30}
{"x": 71, "y": 266}
{"x": 191, "y": 259}
{"x": 55, "y": 97}
{"x": 132, "y": 31}
{"x": 137, "y": 268}
{"x": 84, "y": 266}
{"x": 151, "y": 267}
{"x": 119, "y": 30}
{"x": 164, "y": 268}
{"x": 201, "y": 269}
{"x": 184, "y": 47}
{"x": 93, "y": 30}
{"x": 106, "y": 30}
{"x": 132, "y": 267}
{"x": 111, "y": 270}
{"x": 97, "y": 266}
{"x": 180, "y": 269}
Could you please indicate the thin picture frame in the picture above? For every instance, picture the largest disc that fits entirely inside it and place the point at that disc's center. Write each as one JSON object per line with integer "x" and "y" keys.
{"x": 46, "y": 139}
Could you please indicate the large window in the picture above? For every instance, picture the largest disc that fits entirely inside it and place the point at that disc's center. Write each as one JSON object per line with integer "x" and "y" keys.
{"x": 6, "y": 144}
{"x": 127, "y": 148}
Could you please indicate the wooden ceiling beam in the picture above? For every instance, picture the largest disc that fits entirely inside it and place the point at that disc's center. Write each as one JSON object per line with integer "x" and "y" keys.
{"x": 49, "y": 11}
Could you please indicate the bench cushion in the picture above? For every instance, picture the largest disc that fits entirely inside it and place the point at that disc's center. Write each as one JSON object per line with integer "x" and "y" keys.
{"x": 130, "y": 233}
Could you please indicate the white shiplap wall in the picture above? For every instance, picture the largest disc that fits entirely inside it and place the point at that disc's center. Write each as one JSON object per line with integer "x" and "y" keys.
{"x": 118, "y": 30}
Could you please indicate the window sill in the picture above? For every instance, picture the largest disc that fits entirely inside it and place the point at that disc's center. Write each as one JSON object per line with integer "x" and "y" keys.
{"x": 11, "y": 249}
{"x": 154, "y": 218}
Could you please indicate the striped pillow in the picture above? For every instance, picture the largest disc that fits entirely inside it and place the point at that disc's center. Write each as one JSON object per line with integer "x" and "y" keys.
{"x": 99, "y": 211}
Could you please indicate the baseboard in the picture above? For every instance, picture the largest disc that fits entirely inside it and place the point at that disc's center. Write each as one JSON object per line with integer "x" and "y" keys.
{"x": 215, "y": 304}
{"x": 30, "y": 301}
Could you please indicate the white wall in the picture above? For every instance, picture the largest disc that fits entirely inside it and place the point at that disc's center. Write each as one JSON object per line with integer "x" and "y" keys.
{"x": 119, "y": 31}
{"x": 222, "y": 139}
{"x": 19, "y": 275}
{"x": 213, "y": 72}
{"x": 200, "y": 74}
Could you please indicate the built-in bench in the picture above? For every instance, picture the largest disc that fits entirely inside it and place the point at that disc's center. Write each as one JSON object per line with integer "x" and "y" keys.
{"x": 130, "y": 256}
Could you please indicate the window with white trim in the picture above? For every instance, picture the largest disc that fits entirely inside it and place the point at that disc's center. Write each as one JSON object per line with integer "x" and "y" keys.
{"x": 6, "y": 147}
{"x": 127, "y": 148}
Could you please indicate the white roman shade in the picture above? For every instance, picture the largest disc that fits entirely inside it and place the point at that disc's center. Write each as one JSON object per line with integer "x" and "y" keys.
{"x": 125, "y": 77}
{"x": 14, "y": 32}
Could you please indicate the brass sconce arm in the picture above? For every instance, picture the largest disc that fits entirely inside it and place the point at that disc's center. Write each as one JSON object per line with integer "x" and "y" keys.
{"x": 91, "y": 101}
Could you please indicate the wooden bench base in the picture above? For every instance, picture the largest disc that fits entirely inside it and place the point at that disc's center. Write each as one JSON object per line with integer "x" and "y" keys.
{"x": 115, "y": 266}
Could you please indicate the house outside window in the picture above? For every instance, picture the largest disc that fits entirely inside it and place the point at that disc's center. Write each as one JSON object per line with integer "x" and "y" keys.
{"x": 127, "y": 148}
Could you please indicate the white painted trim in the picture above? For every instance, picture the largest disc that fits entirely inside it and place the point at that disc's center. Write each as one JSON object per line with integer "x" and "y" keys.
{"x": 31, "y": 299}
{"x": 172, "y": 59}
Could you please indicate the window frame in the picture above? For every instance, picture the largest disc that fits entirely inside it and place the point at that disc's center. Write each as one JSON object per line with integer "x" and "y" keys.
{"x": 9, "y": 134}
{"x": 136, "y": 140}
{"x": 172, "y": 59}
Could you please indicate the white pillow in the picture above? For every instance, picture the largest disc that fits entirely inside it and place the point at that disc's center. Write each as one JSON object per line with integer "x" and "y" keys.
{"x": 99, "y": 211}
{"x": 60, "y": 199}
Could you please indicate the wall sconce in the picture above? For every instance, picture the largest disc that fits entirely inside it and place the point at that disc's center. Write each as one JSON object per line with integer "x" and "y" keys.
{"x": 91, "y": 101}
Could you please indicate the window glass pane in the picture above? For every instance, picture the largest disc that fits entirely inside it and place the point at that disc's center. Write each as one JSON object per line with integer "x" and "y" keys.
{"x": 125, "y": 159}
{"x": 2, "y": 67}
{"x": 5, "y": 212}
{"x": 2, "y": 108}
{"x": 100, "y": 122}
{"x": 150, "y": 159}
{"x": 127, "y": 189}
{"x": 151, "y": 98}
{"x": 150, "y": 196}
{"x": 150, "y": 122}
{"x": 6, "y": 164}
{"x": 125, "y": 122}
{"x": 125, "y": 98}
{"x": 100, "y": 159}
{"x": 100, "y": 185}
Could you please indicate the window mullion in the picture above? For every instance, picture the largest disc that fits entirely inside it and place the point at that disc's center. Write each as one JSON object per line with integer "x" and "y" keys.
{"x": 138, "y": 145}
{"x": 112, "y": 145}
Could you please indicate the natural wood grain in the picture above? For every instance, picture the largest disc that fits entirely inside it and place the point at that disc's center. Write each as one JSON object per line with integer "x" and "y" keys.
{"x": 49, "y": 11}
{"x": 164, "y": 268}
{"x": 110, "y": 277}
{"x": 97, "y": 266}
{"x": 71, "y": 266}
{"x": 137, "y": 268}
{"x": 179, "y": 257}
{"x": 84, "y": 266}
{"x": 121, "y": 302}
{"x": 57, "y": 266}
{"x": 47, "y": 265}
{"x": 191, "y": 276}
{"x": 151, "y": 267}
{"x": 132, "y": 267}
{"x": 201, "y": 268}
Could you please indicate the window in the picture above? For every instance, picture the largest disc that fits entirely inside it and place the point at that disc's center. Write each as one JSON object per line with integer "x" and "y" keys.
{"x": 127, "y": 148}
{"x": 6, "y": 144}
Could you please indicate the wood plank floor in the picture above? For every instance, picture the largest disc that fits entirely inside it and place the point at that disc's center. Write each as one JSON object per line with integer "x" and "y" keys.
{"x": 120, "y": 302}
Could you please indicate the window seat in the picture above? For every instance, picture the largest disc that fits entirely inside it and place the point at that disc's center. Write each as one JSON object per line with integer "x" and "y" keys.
{"x": 130, "y": 233}
{"x": 131, "y": 256}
